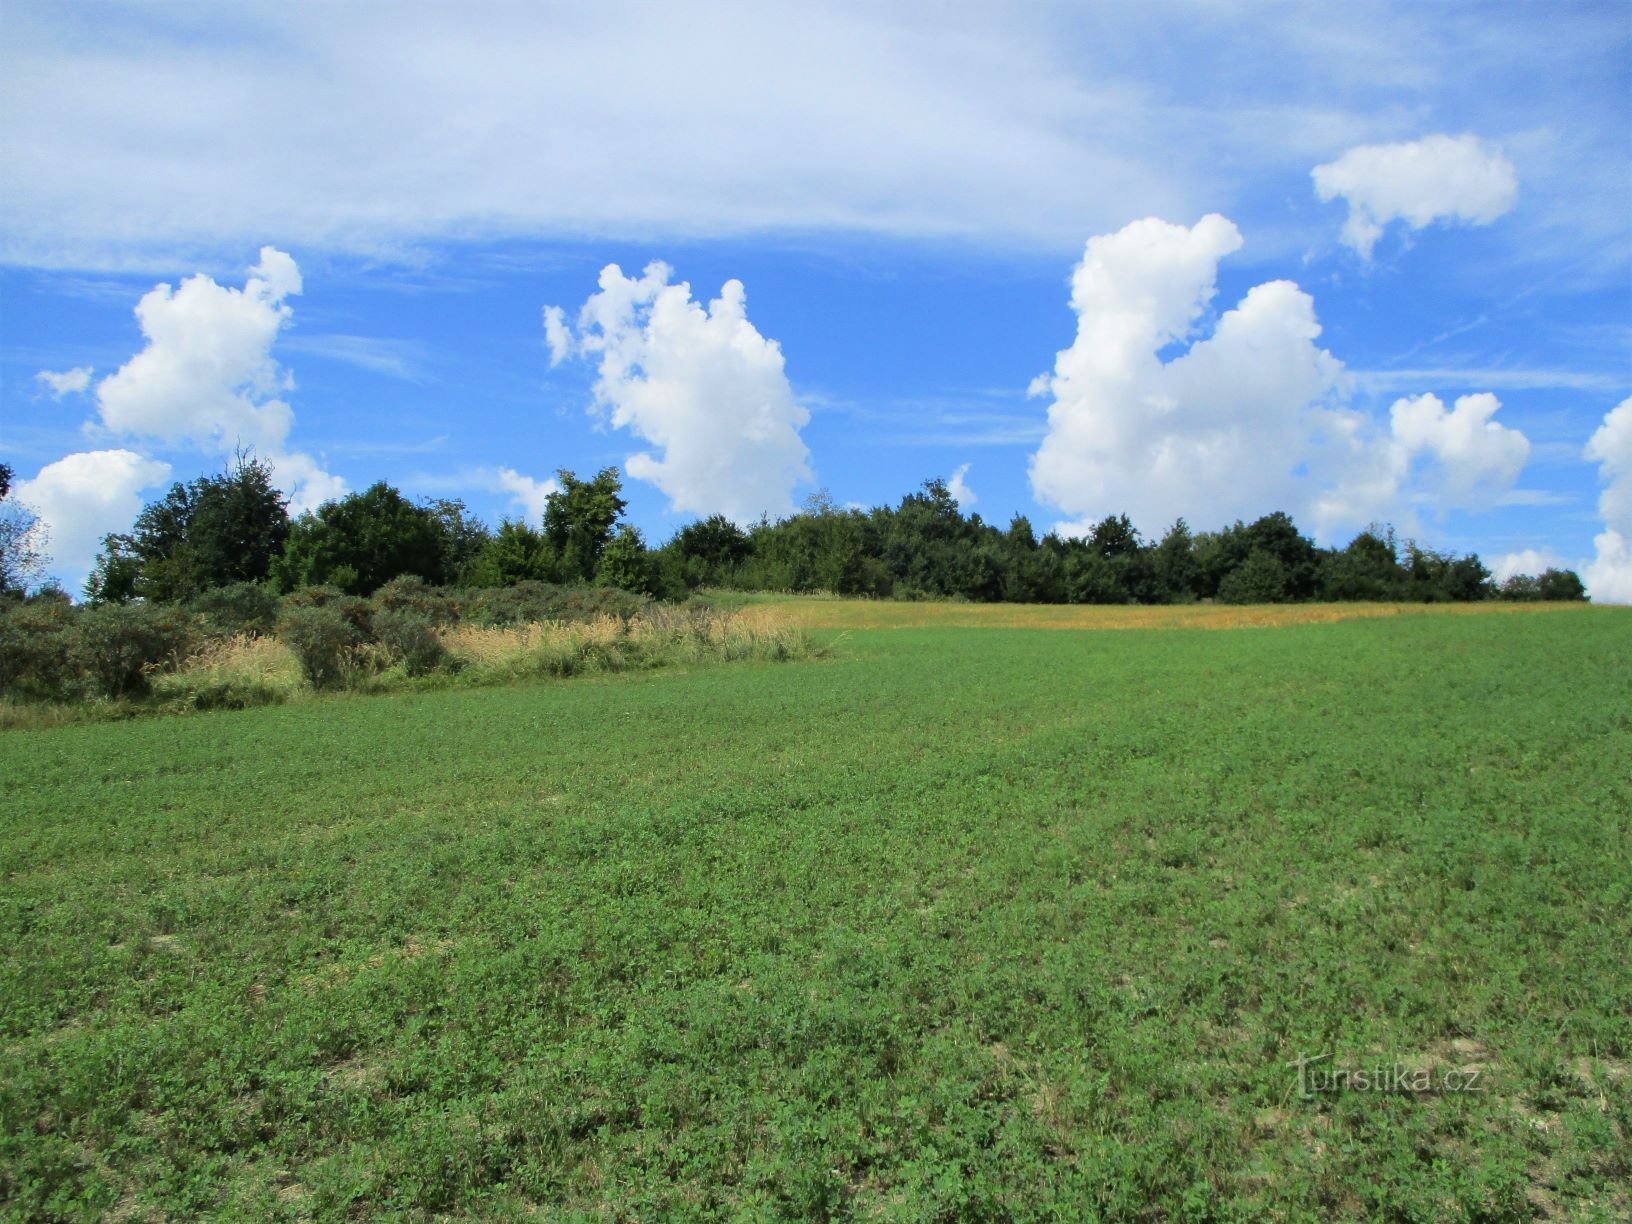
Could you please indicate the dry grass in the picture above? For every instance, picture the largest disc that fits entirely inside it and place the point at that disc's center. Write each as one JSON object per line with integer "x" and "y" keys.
{"x": 241, "y": 670}
{"x": 830, "y": 613}
{"x": 661, "y": 636}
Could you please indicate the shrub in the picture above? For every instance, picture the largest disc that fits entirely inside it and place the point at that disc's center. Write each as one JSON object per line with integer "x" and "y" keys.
{"x": 35, "y": 658}
{"x": 242, "y": 607}
{"x": 409, "y": 638}
{"x": 412, "y": 594}
{"x": 323, "y": 639}
{"x": 115, "y": 646}
{"x": 356, "y": 612}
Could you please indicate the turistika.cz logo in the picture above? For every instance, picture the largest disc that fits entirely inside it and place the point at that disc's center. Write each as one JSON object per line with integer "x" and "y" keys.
{"x": 1315, "y": 1079}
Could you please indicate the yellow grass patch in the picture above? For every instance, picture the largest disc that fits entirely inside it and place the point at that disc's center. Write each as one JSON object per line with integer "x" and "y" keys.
{"x": 830, "y": 613}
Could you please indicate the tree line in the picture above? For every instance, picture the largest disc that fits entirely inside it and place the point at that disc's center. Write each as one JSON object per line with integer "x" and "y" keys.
{"x": 234, "y": 528}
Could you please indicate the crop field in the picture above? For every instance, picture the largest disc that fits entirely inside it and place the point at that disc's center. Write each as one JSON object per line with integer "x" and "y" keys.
{"x": 1299, "y": 917}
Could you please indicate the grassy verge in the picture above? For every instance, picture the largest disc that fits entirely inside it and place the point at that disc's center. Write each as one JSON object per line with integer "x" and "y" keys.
{"x": 997, "y": 925}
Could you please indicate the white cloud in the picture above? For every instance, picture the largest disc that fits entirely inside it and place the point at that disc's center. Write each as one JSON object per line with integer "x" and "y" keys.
{"x": 1532, "y": 561}
{"x": 700, "y": 384}
{"x": 370, "y": 127}
{"x": 1454, "y": 178}
{"x": 1608, "y": 575}
{"x": 82, "y": 497}
{"x": 1248, "y": 418}
{"x": 65, "y": 382}
{"x": 207, "y": 376}
{"x": 1477, "y": 458}
{"x": 526, "y": 492}
{"x": 961, "y": 492}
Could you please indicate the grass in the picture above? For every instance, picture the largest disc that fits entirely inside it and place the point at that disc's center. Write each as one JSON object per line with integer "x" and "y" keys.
{"x": 952, "y": 925}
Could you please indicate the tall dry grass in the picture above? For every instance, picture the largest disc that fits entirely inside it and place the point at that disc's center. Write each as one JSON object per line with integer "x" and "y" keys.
{"x": 233, "y": 673}
{"x": 661, "y": 636}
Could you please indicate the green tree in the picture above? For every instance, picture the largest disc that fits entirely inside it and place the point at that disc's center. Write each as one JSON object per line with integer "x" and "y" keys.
{"x": 1174, "y": 563}
{"x": 515, "y": 553}
{"x": 1260, "y": 579}
{"x": 211, "y": 532}
{"x": 464, "y": 536}
{"x": 1560, "y": 584}
{"x": 361, "y": 542}
{"x": 579, "y": 521}
{"x": 625, "y": 563}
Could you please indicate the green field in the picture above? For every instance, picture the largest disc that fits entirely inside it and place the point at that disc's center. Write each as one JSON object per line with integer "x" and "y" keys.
{"x": 957, "y": 923}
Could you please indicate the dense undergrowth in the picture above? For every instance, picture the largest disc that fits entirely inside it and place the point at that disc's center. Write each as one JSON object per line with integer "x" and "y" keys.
{"x": 242, "y": 646}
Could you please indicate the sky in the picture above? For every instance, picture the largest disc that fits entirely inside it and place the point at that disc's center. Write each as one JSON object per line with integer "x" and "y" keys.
{"x": 1367, "y": 263}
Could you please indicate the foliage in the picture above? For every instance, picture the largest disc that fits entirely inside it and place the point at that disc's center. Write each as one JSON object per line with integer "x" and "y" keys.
{"x": 35, "y": 647}
{"x": 579, "y": 521}
{"x": 323, "y": 639}
{"x": 116, "y": 646}
{"x": 410, "y": 638}
{"x": 214, "y": 531}
{"x": 242, "y": 607}
{"x": 515, "y": 553}
{"x": 1259, "y": 579}
{"x": 362, "y": 541}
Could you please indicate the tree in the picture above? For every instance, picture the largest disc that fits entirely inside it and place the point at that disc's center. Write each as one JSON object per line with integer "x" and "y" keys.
{"x": 464, "y": 536}
{"x": 1557, "y": 584}
{"x": 1175, "y": 563}
{"x": 625, "y": 562}
{"x": 211, "y": 532}
{"x": 516, "y": 553}
{"x": 579, "y": 520}
{"x": 1260, "y": 579}
{"x": 22, "y": 539}
{"x": 361, "y": 542}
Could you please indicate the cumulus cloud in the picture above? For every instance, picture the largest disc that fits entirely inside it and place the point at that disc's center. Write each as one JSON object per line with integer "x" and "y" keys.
{"x": 207, "y": 377}
{"x": 1449, "y": 178}
{"x": 961, "y": 492}
{"x": 1532, "y": 561}
{"x": 1248, "y": 418}
{"x": 1609, "y": 574}
{"x": 1475, "y": 457}
{"x": 526, "y": 493}
{"x": 82, "y": 497}
{"x": 65, "y": 382}
{"x": 699, "y": 383}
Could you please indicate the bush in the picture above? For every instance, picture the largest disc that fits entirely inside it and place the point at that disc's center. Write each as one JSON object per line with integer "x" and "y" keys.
{"x": 535, "y": 602}
{"x": 115, "y": 646}
{"x": 35, "y": 658}
{"x": 356, "y": 612}
{"x": 323, "y": 639}
{"x": 410, "y": 638}
{"x": 243, "y": 607}
{"x": 411, "y": 594}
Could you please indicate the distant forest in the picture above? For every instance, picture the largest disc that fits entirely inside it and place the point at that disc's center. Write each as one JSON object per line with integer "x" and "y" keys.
{"x": 233, "y": 528}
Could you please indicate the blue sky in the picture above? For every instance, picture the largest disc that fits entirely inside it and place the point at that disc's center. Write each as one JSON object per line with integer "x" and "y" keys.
{"x": 1204, "y": 259}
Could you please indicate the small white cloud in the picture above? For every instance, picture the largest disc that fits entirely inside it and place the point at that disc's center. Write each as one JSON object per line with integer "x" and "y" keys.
{"x": 1608, "y": 575}
{"x": 1532, "y": 561}
{"x": 961, "y": 492}
{"x": 1477, "y": 458}
{"x": 699, "y": 383}
{"x": 66, "y": 382}
{"x": 207, "y": 376}
{"x": 527, "y": 493}
{"x": 1455, "y": 178}
{"x": 557, "y": 334}
{"x": 82, "y": 497}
